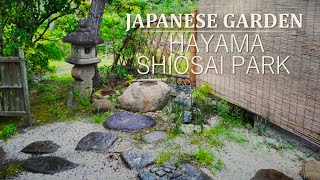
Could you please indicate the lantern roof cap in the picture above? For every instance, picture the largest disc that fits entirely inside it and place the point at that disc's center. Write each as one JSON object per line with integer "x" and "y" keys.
{"x": 83, "y": 36}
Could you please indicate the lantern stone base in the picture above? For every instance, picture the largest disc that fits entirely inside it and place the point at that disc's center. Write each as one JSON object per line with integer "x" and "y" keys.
{"x": 83, "y": 75}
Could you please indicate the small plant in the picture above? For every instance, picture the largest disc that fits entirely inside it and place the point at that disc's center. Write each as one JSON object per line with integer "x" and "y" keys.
{"x": 163, "y": 157}
{"x": 203, "y": 157}
{"x": 174, "y": 113}
{"x": 7, "y": 132}
{"x": 130, "y": 79}
{"x": 203, "y": 104}
{"x": 99, "y": 119}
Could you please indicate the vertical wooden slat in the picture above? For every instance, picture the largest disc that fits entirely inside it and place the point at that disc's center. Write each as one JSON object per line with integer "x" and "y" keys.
{"x": 25, "y": 87}
{"x": 193, "y": 50}
{"x": 14, "y": 98}
{"x": 5, "y": 91}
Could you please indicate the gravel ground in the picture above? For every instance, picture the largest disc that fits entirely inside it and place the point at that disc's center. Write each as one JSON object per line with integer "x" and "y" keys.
{"x": 241, "y": 160}
{"x": 67, "y": 135}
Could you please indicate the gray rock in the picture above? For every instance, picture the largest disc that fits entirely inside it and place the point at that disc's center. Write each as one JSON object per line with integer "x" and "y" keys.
{"x": 41, "y": 147}
{"x": 47, "y": 165}
{"x": 168, "y": 170}
{"x": 153, "y": 170}
{"x": 102, "y": 105}
{"x": 270, "y": 174}
{"x": 170, "y": 166}
{"x": 185, "y": 100}
{"x": 191, "y": 172}
{"x": 163, "y": 178}
{"x": 147, "y": 176}
{"x": 161, "y": 173}
{"x": 97, "y": 141}
{"x": 145, "y": 96}
{"x": 154, "y": 137}
{"x": 175, "y": 174}
{"x": 187, "y": 117}
{"x": 129, "y": 122}
{"x": 138, "y": 159}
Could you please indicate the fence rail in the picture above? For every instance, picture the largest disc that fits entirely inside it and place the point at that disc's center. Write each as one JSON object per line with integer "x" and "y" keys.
{"x": 14, "y": 96}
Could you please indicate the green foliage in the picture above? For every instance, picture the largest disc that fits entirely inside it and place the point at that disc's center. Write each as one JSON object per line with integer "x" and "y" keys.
{"x": 37, "y": 27}
{"x": 202, "y": 92}
{"x": 7, "y": 132}
{"x": 174, "y": 113}
{"x": 163, "y": 157}
{"x": 233, "y": 116}
{"x": 38, "y": 57}
{"x": 49, "y": 100}
{"x": 202, "y": 98}
{"x": 114, "y": 25}
{"x": 9, "y": 171}
{"x": 202, "y": 157}
{"x": 99, "y": 119}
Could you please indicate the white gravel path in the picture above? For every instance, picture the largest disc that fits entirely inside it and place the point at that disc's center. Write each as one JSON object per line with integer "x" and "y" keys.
{"x": 93, "y": 166}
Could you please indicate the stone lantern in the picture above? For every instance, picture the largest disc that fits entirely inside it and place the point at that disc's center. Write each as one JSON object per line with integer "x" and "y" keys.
{"x": 84, "y": 57}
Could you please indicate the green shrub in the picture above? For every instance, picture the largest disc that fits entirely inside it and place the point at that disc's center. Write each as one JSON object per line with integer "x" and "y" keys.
{"x": 7, "y": 132}
{"x": 99, "y": 119}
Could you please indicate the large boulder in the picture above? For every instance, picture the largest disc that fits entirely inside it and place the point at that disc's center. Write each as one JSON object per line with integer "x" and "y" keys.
{"x": 145, "y": 96}
{"x": 270, "y": 174}
{"x": 102, "y": 105}
{"x": 311, "y": 170}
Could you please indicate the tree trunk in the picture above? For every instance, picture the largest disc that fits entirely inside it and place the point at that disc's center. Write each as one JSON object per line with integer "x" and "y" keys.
{"x": 94, "y": 20}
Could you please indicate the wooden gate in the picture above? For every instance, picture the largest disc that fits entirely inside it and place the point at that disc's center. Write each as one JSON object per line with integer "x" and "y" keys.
{"x": 14, "y": 96}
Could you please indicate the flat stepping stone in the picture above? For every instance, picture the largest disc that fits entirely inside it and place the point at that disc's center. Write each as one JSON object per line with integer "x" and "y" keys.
{"x": 97, "y": 141}
{"x": 147, "y": 176}
{"x": 270, "y": 174}
{"x": 129, "y": 122}
{"x": 41, "y": 147}
{"x": 191, "y": 172}
{"x": 154, "y": 137}
{"x": 138, "y": 159}
{"x": 47, "y": 165}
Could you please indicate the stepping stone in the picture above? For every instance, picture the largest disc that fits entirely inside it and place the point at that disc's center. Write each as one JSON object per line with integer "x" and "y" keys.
{"x": 47, "y": 165}
{"x": 41, "y": 147}
{"x": 138, "y": 159}
{"x": 147, "y": 176}
{"x": 154, "y": 137}
{"x": 191, "y": 172}
{"x": 129, "y": 122}
{"x": 270, "y": 174}
{"x": 97, "y": 141}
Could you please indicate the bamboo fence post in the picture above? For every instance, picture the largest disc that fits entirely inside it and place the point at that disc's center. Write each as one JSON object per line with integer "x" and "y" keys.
{"x": 193, "y": 50}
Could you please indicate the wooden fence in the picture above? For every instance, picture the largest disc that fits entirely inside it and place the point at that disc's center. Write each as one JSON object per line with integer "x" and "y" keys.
{"x": 14, "y": 97}
{"x": 291, "y": 101}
